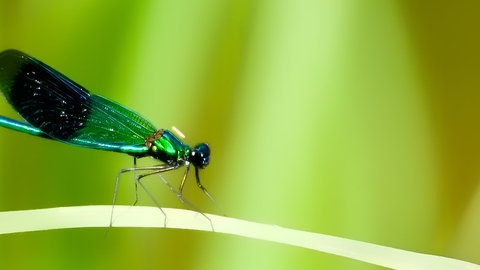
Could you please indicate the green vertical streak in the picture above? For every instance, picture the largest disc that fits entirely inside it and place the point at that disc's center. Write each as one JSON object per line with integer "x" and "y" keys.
{"x": 330, "y": 133}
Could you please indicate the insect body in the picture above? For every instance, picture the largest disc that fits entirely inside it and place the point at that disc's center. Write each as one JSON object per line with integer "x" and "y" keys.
{"x": 57, "y": 108}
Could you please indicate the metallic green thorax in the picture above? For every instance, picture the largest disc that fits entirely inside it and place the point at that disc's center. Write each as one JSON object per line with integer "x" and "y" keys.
{"x": 165, "y": 146}
{"x": 57, "y": 108}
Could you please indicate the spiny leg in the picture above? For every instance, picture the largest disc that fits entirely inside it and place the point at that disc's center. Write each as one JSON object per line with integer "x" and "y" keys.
{"x": 157, "y": 169}
{"x": 185, "y": 201}
{"x": 135, "y": 182}
{"x": 115, "y": 192}
{"x": 199, "y": 184}
{"x": 180, "y": 189}
{"x": 182, "y": 184}
{"x": 151, "y": 196}
{"x": 179, "y": 195}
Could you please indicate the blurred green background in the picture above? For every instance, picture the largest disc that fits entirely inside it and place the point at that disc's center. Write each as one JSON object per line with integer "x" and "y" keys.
{"x": 358, "y": 119}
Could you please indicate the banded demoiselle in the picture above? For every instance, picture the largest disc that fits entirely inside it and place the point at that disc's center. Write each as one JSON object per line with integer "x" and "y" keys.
{"x": 57, "y": 108}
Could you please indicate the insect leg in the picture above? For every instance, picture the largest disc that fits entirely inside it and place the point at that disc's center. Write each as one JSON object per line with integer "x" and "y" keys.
{"x": 156, "y": 169}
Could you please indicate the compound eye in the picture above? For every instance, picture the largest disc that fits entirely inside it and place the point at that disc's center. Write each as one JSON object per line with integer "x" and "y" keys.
{"x": 200, "y": 155}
